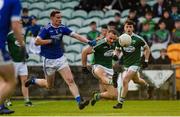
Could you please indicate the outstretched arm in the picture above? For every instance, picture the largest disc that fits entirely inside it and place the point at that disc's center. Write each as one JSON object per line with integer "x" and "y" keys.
{"x": 84, "y": 39}
{"x": 80, "y": 38}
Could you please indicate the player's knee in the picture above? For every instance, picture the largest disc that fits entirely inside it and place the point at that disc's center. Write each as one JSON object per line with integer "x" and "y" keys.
{"x": 96, "y": 70}
{"x": 70, "y": 81}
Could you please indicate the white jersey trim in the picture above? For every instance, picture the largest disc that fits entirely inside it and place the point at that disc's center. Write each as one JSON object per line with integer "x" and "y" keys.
{"x": 72, "y": 33}
{"x": 15, "y": 18}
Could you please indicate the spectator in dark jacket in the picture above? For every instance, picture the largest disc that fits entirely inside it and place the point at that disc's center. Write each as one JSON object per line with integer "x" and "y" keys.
{"x": 168, "y": 20}
{"x": 133, "y": 16}
{"x": 26, "y": 21}
{"x": 142, "y": 8}
{"x": 175, "y": 12}
{"x": 176, "y": 32}
{"x": 159, "y": 7}
{"x": 117, "y": 20}
{"x": 163, "y": 59}
{"x": 162, "y": 35}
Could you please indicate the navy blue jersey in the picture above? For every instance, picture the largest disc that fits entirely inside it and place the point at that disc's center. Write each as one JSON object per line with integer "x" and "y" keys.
{"x": 9, "y": 11}
{"x": 53, "y": 51}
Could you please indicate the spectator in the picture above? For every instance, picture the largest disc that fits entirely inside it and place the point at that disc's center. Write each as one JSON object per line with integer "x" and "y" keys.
{"x": 104, "y": 30}
{"x": 168, "y": 20}
{"x": 161, "y": 35}
{"x": 176, "y": 32}
{"x": 34, "y": 28}
{"x": 111, "y": 25}
{"x": 175, "y": 12}
{"x": 83, "y": 4}
{"x": 149, "y": 20}
{"x": 133, "y": 16}
{"x": 117, "y": 20}
{"x": 94, "y": 33}
{"x": 25, "y": 18}
{"x": 159, "y": 7}
{"x": 146, "y": 33}
{"x": 142, "y": 8}
{"x": 89, "y": 5}
{"x": 163, "y": 59}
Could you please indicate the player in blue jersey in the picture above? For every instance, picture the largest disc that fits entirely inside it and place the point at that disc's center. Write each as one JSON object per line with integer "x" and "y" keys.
{"x": 9, "y": 17}
{"x": 49, "y": 38}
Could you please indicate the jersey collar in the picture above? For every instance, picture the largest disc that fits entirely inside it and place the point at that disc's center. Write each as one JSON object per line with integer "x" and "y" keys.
{"x": 54, "y": 26}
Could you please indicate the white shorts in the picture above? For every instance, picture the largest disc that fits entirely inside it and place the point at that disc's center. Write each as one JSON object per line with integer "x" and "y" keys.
{"x": 109, "y": 73}
{"x": 20, "y": 69}
{"x": 133, "y": 68}
{"x": 107, "y": 70}
{"x": 50, "y": 66}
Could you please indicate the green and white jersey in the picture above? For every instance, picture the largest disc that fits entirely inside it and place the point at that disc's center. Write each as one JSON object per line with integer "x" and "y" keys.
{"x": 14, "y": 48}
{"x": 103, "y": 53}
{"x": 132, "y": 54}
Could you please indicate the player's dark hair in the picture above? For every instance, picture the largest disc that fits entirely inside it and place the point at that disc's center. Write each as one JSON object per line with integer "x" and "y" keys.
{"x": 129, "y": 22}
{"x": 113, "y": 32}
{"x": 54, "y": 12}
{"x": 104, "y": 26}
{"x": 117, "y": 14}
{"x": 111, "y": 23}
{"x": 92, "y": 23}
{"x": 25, "y": 10}
{"x": 149, "y": 12}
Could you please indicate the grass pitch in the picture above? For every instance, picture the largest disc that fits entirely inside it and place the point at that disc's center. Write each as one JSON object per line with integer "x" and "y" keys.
{"x": 102, "y": 108}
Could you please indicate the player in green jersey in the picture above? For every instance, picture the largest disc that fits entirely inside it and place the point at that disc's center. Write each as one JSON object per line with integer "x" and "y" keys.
{"x": 102, "y": 69}
{"x": 132, "y": 61}
{"x": 20, "y": 65}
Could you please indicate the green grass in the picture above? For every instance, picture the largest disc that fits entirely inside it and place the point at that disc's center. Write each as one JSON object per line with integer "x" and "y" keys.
{"x": 102, "y": 108}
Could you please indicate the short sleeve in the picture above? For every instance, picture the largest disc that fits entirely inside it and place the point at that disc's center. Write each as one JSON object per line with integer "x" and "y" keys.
{"x": 43, "y": 34}
{"x": 67, "y": 31}
{"x": 16, "y": 10}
